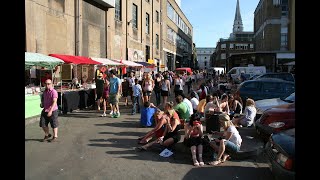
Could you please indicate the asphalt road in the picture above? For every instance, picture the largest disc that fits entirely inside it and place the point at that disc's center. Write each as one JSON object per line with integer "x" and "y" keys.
{"x": 93, "y": 147}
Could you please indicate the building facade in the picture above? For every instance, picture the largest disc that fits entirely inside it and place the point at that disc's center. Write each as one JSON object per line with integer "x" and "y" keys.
{"x": 274, "y": 32}
{"x": 176, "y": 33}
{"x": 136, "y": 30}
{"x": 274, "y": 25}
{"x": 203, "y": 56}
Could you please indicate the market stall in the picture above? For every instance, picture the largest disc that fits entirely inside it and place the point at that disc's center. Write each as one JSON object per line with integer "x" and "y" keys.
{"x": 33, "y": 93}
{"x": 74, "y": 94}
{"x": 134, "y": 66}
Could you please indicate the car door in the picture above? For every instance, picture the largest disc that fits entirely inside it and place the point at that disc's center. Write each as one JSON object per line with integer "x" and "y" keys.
{"x": 250, "y": 89}
{"x": 272, "y": 90}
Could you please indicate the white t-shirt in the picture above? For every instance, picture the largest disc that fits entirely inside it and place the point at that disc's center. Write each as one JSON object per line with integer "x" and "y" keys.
{"x": 194, "y": 101}
{"x": 209, "y": 107}
{"x": 250, "y": 113}
{"x": 189, "y": 105}
{"x": 235, "y": 137}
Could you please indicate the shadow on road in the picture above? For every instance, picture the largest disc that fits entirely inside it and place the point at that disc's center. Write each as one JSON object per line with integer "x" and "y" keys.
{"x": 129, "y": 124}
{"x": 138, "y": 134}
{"x": 229, "y": 172}
{"x": 115, "y": 143}
{"x": 39, "y": 140}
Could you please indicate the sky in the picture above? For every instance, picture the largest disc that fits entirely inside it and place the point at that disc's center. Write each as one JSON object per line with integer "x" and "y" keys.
{"x": 213, "y": 19}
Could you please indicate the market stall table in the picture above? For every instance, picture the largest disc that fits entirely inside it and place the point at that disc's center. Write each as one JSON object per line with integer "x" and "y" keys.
{"x": 76, "y": 99}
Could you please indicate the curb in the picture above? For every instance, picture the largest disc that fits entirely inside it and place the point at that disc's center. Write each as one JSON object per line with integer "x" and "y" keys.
{"x": 31, "y": 120}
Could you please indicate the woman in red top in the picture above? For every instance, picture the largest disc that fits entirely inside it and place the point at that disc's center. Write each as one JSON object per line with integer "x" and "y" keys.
{"x": 193, "y": 139}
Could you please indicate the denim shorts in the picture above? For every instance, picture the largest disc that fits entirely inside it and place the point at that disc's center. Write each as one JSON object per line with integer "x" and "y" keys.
{"x": 231, "y": 147}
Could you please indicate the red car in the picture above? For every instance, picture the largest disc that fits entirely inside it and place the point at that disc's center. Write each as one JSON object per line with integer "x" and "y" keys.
{"x": 276, "y": 119}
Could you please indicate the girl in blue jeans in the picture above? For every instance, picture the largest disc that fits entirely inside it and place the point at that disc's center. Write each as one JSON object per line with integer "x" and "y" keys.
{"x": 230, "y": 140}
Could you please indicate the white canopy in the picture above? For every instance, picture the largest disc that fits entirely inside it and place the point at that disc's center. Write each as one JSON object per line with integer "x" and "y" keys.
{"x": 128, "y": 63}
{"x": 107, "y": 62}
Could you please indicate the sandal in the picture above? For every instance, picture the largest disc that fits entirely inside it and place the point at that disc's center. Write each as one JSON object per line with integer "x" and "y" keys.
{"x": 225, "y": 158}
{"x": 214, "y": 163}
{"x": 196, "y": 163}
{"x": 46, "y": 138}
{"x": 201, "y": 163}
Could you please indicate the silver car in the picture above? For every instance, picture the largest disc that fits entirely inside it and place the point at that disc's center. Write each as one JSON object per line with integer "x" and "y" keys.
{"x": 265, "y": 104}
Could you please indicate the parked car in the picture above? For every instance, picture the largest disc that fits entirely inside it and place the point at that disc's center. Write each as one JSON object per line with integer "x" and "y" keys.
{"x": 183, "y": 70}
{"x": 283, "y": 75}
{"x": 265, "y": 88}
{"x": 276, "y": 119}
{"x": 254, "y": 76}
{"x": 280, "y": 151}
{"x": 264, "y": 104}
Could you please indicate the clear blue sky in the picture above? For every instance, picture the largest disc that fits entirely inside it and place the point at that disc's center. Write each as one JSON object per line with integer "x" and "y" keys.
{"x": 213, "y": 19}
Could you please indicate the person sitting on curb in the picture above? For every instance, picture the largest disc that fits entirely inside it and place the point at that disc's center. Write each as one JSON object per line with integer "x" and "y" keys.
{"x": 147, "y": 112}
{"x": 249, "y": 114}
{"x": 170, "y": 135}
{"x": 193, "y": 139}
{"x": 230, "y": 140}
{"x": 157, "y": 131}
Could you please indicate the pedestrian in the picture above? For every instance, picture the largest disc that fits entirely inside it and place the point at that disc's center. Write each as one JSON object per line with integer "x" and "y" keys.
{"x": 147, "y": 85}
{"x": 50, "y": 112}
{"x": 137, "y": 94}
{"x": 131, "y": 80}
{"x": 165, "y": 89}
{"x": 115, "y": 93}
{"x": 99, "y": 90}
{"x": 105, "y": 96}
{"x": 157, "y": 88}
{"x": 125, "y": 90}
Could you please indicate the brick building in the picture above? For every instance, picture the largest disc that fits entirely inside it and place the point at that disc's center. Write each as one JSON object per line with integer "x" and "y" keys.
{"x": 156, "y": 31}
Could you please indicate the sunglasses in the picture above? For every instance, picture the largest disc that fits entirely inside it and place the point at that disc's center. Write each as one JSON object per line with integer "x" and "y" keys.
{"x": 47, "y": 83}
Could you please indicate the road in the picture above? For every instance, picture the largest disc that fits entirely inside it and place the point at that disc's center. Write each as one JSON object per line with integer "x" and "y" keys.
{"x": 93, "y": 147}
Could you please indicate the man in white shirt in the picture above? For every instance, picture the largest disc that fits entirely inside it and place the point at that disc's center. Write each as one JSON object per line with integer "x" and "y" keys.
{"x": 188, "y": 103}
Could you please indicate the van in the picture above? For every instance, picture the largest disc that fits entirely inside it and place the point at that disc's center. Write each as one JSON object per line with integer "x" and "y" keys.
{"x": 219, "y": 70}
{"x": 235, "y": 72}
{"x": 183, "y": 70}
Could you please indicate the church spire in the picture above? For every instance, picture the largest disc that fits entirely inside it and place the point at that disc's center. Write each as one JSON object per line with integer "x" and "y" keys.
{"x": 237, "y": 25}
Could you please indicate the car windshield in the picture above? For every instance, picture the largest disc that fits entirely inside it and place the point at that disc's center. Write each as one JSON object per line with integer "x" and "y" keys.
{"x": 290, "y": 99}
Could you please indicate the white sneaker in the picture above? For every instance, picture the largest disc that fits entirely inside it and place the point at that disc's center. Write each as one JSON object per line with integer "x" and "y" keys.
{"x": 111, "y": 112}
{"x": 104, "y": 115}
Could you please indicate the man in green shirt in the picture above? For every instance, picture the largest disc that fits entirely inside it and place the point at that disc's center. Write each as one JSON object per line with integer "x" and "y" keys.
{"x": 183, "y": 111}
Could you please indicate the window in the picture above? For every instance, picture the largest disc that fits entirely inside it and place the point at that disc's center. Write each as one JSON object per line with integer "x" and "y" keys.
{"x": 157, "y": 16}
{"x": 231, "y": 46}
{"x": 284, "y": 40}
{"x": 157, "y": 41}
{"x": 223, "y": 46}
{"x": 251, "y": 46}
{"x": 147, "y": 23}
{"x": 223, "y": 56}
{"x": 272, "y": 87}
{"x": 250, "y": 86}
{"x": 118, "y": 10}
{"x": 134, "y": 16}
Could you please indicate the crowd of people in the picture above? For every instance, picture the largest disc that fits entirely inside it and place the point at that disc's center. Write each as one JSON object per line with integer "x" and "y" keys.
{"x": 193, "y": 105}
